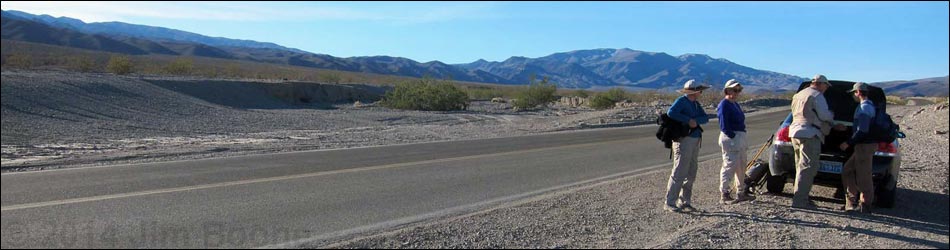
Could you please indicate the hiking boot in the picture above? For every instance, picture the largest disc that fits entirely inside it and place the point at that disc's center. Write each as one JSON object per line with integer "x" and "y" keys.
{"x": 726, "y": 198}
{"x": 849, "y": 206}
{"x": 671, "y": 208}
{"x": 744, "y": 197}
{"x": 808, "y": 206}
{"x": 864, "y": 208}
{"x": 688, "y": 208}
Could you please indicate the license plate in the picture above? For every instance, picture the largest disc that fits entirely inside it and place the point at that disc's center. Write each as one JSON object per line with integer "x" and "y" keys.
{"x": 831, "y": 167}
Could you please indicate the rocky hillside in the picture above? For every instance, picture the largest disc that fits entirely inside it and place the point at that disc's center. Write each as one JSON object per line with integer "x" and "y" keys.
{"x": 140, "y": 31}
{"x": 54, "y": 107}
{"x": 632, "y": 68}
{"x": 937, "y": 86}
{"x": 584, "y": 69}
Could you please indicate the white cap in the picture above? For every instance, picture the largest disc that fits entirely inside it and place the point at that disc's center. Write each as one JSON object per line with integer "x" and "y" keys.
{"x": 733, "y": 83}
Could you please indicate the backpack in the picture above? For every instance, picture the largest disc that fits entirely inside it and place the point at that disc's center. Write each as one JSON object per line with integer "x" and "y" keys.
{"x": 883, "y": 129}
{"x": 669, "y": 130}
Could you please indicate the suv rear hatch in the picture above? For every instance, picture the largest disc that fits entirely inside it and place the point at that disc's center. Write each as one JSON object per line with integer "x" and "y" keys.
{"x": 843, "y": 104}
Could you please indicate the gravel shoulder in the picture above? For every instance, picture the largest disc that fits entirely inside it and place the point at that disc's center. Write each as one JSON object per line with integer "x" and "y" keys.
{"x": 626, "y": 213}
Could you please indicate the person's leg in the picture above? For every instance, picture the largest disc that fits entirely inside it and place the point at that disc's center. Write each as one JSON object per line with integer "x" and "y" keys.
{"x": 727, "y": 173}
{"x": 740, "y": 168}
{"x": 677, "y": 175}
{"x": 864, "y": 161}
{"x": 797, "y": 154}
{"x": 807, "y": 169}
{"x": 800, "y": 160}
{"x": 848, "y": 181}
{"x": 691, "y": 152}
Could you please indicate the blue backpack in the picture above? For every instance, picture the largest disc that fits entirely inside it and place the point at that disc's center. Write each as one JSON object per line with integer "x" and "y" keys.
{"x": 883, "y": 128}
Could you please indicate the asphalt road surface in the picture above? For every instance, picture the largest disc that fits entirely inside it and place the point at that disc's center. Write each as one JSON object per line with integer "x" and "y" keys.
{"x": 279, "y": 199}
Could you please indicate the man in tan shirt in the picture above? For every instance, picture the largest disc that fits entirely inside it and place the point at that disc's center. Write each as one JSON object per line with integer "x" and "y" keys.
{"x": 811, "y": 121}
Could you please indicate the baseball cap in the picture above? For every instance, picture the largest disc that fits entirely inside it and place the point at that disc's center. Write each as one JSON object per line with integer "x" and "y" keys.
{"x": 821, "y": 78}
{"x": 859, "y": 86}
{"x": 733, "y": 83}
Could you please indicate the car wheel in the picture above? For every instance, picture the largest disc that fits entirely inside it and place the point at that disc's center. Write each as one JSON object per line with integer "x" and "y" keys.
{"x": 775, "y": 184}
{"x": 887, "y": 194}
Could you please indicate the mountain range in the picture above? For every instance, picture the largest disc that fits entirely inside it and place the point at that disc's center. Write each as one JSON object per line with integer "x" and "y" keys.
{"x": 140, "y": 31}
{"x": 632, "y": 68}
{"x": 580, "y": 69}
{"x": 936, "y": 86}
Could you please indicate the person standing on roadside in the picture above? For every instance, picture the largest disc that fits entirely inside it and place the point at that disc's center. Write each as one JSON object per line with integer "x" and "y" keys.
{"x": 734, "y": 144}
{"x": 686, "y": 110}
{"x": 856, "y": 174}
{"x": 811, "y": 121}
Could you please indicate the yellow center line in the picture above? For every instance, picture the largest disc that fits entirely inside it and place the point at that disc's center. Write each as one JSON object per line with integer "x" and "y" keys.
{"x": 283, "y": 178}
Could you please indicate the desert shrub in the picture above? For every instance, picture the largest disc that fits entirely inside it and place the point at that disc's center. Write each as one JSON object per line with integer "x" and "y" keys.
{"x": 120, "y": 65}
{"x": 483, "y": 93}
{"x": 427, "y": 95}
{"x": 20, "y": 61}
{"x": 537, "y": 94}
{"x": 896, "y": 100}
{"x": 331, "y": 78}
{"x": 714, "y": 96}
{"x": 653, "y": 96}
{"x": 81, "y": 63}
{"x": 581, "y": 93}
{"x": 608, "y": 99}
{"x": 180, "y": 66}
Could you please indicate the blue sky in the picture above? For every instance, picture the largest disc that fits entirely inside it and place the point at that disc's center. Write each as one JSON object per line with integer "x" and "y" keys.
{"x": 860, "y": 41}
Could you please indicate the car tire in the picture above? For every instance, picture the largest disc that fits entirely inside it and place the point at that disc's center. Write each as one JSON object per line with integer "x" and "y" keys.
{"x": 887, "y": 194}
{"x": 775, "y": 184}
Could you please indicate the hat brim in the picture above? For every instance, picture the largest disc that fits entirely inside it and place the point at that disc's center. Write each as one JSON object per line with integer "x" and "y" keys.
{"x": 692, "y": 91}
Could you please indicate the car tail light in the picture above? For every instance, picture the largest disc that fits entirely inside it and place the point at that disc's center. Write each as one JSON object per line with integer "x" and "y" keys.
{"x": 782, "y": 137}
{"x": 886, "y": 149}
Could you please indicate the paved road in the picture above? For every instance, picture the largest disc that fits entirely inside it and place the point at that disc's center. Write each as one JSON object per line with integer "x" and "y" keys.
{"x": 267, "y": 200}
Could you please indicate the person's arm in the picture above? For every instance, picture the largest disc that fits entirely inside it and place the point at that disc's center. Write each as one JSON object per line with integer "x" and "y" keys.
{"x": 862, "y": 124}
{"x": 676, "y": 111}
{"x": 821, "y": 108}
{"x": 703, "y": 118}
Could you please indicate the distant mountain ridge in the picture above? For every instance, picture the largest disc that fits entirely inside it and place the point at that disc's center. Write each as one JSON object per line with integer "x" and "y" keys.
{"x": 936, "y": 86}
{"x": 583, "y": 69}
{"x": 141, "y": 31}
{"x": 31, "y": 31}
{"x": 632, "y": 68}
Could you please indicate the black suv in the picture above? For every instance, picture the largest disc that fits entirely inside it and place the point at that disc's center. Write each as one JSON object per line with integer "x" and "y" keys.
{"x": 887, "y": 159}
